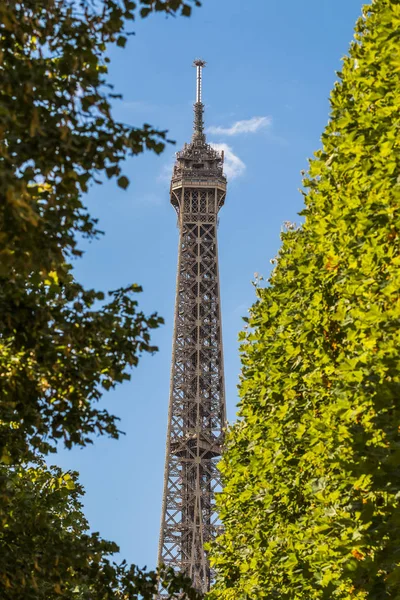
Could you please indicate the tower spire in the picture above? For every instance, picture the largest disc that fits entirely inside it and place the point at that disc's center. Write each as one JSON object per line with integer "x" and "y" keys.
{"x": 198, "y": 129}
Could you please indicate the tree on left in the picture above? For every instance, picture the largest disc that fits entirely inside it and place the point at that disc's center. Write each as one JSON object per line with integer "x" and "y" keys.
{"x": 48, "y": 553}
{"x": 61, "y": 345}
{"x": 57, "y": 137}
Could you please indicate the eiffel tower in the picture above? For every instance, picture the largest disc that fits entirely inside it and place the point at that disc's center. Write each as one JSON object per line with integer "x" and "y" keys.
{"x": 197, "y": 412}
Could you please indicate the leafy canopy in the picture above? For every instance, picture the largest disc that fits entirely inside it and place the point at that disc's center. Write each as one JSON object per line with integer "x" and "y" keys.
{"x": 312, "y": 470}
{"x": 61, "y": 346}
{"x": 48, "y": 552}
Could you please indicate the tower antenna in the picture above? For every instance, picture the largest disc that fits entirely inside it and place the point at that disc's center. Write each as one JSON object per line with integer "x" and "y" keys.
{"x": 199, "y": 64}
{"x": 199, "y": 106}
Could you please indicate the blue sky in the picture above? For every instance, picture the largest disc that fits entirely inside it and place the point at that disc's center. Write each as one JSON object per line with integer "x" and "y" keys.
{"x": 271, "y": 66}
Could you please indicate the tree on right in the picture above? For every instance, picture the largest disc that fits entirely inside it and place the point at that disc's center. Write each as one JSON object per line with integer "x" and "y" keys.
{"x": 310, "y": 505}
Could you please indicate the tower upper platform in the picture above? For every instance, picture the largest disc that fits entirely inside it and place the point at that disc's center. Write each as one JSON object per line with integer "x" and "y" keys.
{"x": 198, "y": 164}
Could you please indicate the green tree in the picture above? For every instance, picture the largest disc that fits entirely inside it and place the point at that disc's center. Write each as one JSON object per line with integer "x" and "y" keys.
{"x": 47, "y": 551}
{"x": 310, "y": 505}
{"x": 60, "y": 347}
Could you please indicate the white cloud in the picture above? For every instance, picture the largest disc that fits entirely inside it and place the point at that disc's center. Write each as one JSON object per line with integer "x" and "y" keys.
{"x": 247, "y": 126}
{"x": 233, "y": 165}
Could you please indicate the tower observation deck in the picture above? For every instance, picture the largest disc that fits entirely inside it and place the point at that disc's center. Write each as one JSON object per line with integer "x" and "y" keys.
{"x": 197, "y": 413}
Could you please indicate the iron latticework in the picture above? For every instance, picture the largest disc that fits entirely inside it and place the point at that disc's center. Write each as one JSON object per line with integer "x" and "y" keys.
{"x": 197, "y": 398}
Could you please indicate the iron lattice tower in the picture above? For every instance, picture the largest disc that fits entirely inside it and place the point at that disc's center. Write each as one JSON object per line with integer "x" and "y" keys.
{"x": 197, "y": 411}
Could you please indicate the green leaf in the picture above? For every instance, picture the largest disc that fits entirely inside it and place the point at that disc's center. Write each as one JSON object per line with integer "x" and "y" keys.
{"x": 123, "y": 182}
{"x": 121, "y": 41}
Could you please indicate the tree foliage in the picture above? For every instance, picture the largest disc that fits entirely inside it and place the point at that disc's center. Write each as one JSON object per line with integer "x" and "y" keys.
{"x": 312, "y": 470}
{"x": 47, "y": 551}
{"x": 60, "y": 345}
